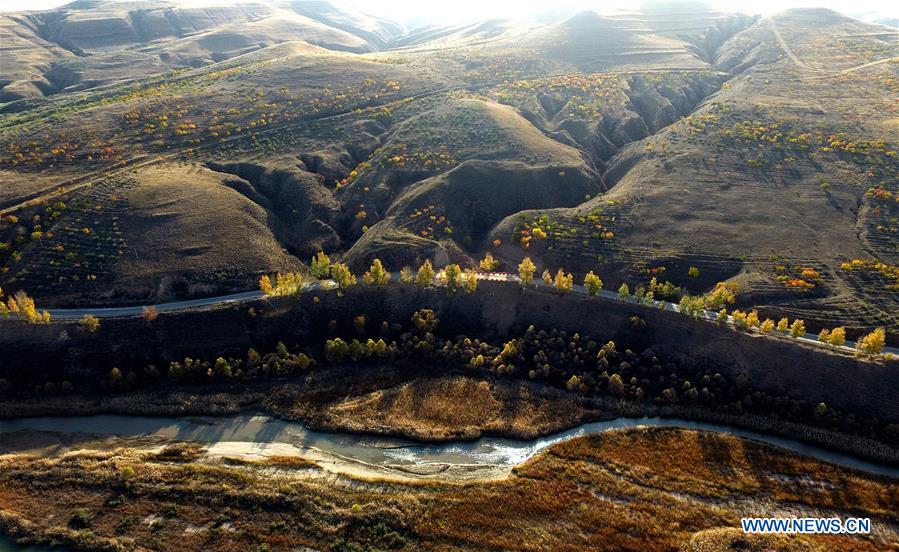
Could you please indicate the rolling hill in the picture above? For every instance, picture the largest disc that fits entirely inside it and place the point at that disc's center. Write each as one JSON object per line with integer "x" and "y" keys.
{"x": 644, "y": 141}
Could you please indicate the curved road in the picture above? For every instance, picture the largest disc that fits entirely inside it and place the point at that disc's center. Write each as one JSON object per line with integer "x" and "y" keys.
{"x": 247, "y": 296}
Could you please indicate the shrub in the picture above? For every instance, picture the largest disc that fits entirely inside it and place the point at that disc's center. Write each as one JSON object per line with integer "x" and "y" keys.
{"x": 425, "y": 320}
{"x": 488, "y": 263}
{"x": 223, "y": 368}
{"x": 406, "y": 275}
{"x": 336, "y": 350}
{"x": 693, "y": 272}
{"x": 90, "y": 323}
{"x": 616, "y": 385}
{"x": 693, "y": 306}
{"x": 81, "y": 519}
{"x": 150, "y": 314}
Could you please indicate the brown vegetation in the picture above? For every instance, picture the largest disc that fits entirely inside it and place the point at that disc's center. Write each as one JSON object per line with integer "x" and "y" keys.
{"x": 646, "y": 490}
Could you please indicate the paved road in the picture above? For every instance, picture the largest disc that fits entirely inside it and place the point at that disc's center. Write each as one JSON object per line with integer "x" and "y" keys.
{"x": 120, "y": 312}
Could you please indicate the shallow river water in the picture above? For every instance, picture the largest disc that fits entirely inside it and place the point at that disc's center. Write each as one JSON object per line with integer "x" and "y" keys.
{"x": 254, "y": 434}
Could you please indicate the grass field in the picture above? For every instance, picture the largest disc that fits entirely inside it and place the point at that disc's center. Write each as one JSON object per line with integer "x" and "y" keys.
{"x": 651, "y": 489}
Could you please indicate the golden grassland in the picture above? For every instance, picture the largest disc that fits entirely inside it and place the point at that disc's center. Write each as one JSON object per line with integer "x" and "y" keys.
{"x": 442, "y": 408}
{"x": 641, "y": 489}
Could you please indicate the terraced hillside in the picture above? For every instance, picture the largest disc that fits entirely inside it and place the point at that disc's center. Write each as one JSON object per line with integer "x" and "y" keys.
{"x": 634, "y": 144}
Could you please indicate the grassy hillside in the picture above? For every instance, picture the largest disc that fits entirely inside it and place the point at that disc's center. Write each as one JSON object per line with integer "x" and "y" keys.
{"x": 641, "y": 142}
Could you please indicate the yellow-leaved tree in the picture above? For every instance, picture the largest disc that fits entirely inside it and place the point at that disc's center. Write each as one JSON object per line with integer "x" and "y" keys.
{"x": 526, "y": 271}
{"x": 593, "y": 283}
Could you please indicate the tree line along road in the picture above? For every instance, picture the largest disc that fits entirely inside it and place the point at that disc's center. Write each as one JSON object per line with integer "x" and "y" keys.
{"x": 248, "y": 296}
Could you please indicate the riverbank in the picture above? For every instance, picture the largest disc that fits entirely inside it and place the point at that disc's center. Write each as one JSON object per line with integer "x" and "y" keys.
{"x": 259, "y": 437}
{"x": 395, "y": 403}
{"x": 678, "y": 484}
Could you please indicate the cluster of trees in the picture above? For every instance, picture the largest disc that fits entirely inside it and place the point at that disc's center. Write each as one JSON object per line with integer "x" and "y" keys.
{"x": 280, "y": 362}
{"x": 871, "y": 344}
{"x": 454, "y": 278}
{"x": 557, "y": 358}
{"x": 562, "y": 281}
{"x": 21, "y": 305}
{"x": 289, "y": 283}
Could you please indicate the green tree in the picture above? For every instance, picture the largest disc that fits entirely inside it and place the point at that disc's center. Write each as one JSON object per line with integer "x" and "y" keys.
{"x": 526, "y": 271}
{"x": 692, "y": 306}
{"x": 342, "y": 275}
{"x": 376, "y": 275}
{"x": 222, "y": 368}
{"x": 336, "y": 350}
{"x": 425, "y": 320}
{"x": 593, "y": 283}
{"x": 320, "y": 266}
{"x": 616, "y": 385}
{"x": 425, "y": 276}
{"x": 359, "y": 323}
{"x": 452, "y": 277}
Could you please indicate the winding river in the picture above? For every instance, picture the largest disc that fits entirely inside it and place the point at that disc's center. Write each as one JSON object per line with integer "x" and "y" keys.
{"x": 262, "y": 435}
